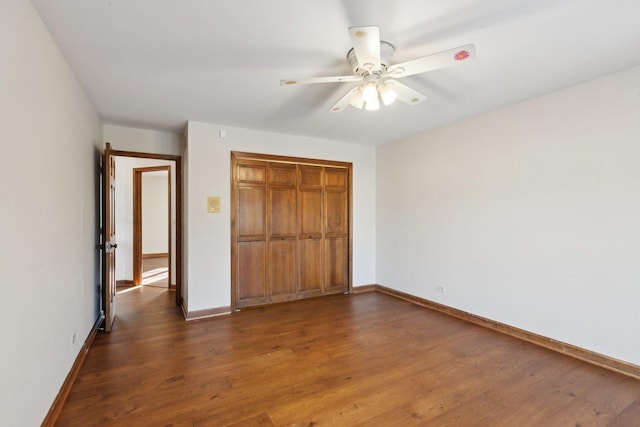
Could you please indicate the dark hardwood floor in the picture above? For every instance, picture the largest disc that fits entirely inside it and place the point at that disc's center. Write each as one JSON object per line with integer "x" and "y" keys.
{"x": 362, "y": 360}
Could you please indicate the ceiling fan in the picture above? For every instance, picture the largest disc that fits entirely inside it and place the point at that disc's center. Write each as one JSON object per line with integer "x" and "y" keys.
{"x": 370, "y": 61}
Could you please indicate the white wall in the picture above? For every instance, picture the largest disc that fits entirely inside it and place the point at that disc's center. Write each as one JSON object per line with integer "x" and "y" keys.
{"x": 208, "y": 235}
{"x": 51, "y": 140}
{"x": 528, "y": 215}
{"x": 142, "y": 140}
{"x": 155, "y": 213}
{"x": 124, "y": 213}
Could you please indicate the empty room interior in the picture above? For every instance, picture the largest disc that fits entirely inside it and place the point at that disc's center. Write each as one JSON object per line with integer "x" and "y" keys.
{"x": 343, "y": 212}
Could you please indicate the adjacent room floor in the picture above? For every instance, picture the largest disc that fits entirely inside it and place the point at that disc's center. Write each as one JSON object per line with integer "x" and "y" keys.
{"x": 366, "y": 359}
{"x": 155, "y": 271}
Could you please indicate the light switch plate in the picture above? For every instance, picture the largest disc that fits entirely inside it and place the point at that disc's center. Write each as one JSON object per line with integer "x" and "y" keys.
{"x": 213, "y": 204}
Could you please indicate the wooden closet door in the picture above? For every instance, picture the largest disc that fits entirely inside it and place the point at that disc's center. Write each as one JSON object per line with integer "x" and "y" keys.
{"x": 281, "y": 254}
{"x": 336, "y": 215}
{"x": 250, "y": 268}
{"x": 291, "y": 228}
{"x": 310, "y": 231}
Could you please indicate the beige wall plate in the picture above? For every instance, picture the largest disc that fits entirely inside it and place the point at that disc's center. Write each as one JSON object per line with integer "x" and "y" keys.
{"x": 213, "y": 204}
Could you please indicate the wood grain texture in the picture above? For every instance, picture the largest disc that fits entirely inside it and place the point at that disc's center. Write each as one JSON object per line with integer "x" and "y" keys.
{"x": 290, "y": 229}
{"x": 549, "y": 343}
{"x": 344, "y": 360}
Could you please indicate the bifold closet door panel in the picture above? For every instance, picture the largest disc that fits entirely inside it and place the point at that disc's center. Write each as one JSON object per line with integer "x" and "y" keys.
{"x": 310, "y": 230}
{"x": 251, "y": 234}
{"x": 282, "y": 220}
{"x": 336, "y": 215}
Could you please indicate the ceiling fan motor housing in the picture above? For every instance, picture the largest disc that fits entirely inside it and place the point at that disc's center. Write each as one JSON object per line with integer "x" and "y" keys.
{"x": 386, "y": 53}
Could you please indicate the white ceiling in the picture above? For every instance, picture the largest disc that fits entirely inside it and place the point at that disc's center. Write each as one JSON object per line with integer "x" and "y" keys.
{"x": 158, "y": 63}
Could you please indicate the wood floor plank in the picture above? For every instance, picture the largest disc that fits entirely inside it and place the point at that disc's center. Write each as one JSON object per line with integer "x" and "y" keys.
{"x": 629, "y": 416}
{"x": 367, "y": 359}
{"x": 259, "y": 420}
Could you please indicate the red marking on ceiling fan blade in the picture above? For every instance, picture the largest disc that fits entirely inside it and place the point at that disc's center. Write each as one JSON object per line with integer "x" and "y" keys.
{"x": 461, "y": 56}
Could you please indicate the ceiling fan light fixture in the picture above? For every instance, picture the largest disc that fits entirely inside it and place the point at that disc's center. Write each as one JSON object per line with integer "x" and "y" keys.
{"x": 387, "y": 94}
{"x": 369, "y": 92}
{"x": 356, "y": 100}
{"x": 373, "y": 105}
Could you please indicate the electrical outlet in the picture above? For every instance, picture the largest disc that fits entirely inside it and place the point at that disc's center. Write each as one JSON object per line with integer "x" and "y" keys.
{"x": 441, "y": 288}
{"x": 73, "y": 338}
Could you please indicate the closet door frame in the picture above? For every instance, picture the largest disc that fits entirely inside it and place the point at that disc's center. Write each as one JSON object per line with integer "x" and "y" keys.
{"x": 236, "y": 158}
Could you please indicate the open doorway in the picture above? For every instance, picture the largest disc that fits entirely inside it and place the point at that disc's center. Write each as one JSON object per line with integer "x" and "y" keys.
{"x": 152, "y": 244}
{"x": 153, "y": 236}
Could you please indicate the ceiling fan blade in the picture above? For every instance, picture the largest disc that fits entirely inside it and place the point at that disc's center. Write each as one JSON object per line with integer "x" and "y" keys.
{"x": 366, "y": 43}
{"x": 344, "y": 101}
{"x": 436, "y": 61}
{"x": 405, "y": 93}
{"x": 334, "y": 79}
